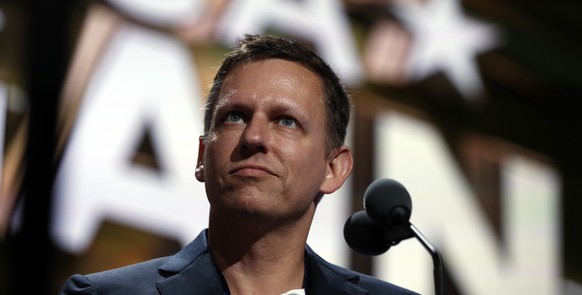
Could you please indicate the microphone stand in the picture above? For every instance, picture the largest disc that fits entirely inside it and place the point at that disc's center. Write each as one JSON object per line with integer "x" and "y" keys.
{"x": 436, "y": 259}
{"x": 407, "y": 230}
{"x": 393, "y": 217}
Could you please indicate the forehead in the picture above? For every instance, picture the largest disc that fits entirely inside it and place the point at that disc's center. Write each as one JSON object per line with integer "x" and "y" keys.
{"x": 276, "y": 79}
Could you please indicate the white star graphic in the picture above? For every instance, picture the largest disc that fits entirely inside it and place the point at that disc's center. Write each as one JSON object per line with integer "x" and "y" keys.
{"x": 445, "y": 40}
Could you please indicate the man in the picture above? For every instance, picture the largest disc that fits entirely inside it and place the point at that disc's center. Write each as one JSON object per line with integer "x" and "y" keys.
{"x": 274, "y": 129}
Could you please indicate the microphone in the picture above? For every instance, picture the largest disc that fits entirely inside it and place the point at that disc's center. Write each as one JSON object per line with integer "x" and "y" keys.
{"x": 387, "y": 207}
{"x": 388, "y": 203}
{"x": 364, "y": 235}
{"x": 385, "y": 222}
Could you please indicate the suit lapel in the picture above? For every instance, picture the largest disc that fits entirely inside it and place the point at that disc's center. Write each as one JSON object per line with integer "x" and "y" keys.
{"x": 323, "y": 280}
{"x": 191, "y": 271}
{"x": 201, "y": 277}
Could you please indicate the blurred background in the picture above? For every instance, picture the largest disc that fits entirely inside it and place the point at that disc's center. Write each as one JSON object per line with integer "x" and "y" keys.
{"x": 472, "y": 105}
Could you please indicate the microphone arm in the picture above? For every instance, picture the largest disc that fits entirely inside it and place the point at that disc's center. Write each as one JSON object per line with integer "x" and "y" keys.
{"x": 385, "y": 222}
{"x": 369, "y": 238}
{"x": 436, "y": 260}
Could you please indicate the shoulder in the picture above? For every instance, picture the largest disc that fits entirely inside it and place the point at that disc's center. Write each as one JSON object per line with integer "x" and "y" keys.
{"x": 133, "y": 272}
{"x": 336, "y": 274}
{"x": 376, "y": 286}
{"x": 137, "y": 278}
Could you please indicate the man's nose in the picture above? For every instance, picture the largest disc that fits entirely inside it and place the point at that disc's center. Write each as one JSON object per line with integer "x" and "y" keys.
{"x": 256, "y": 136}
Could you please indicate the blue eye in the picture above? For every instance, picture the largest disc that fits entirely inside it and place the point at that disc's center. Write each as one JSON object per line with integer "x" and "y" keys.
{"x": 288, "y": 122}
{"x": 233, "y": 117}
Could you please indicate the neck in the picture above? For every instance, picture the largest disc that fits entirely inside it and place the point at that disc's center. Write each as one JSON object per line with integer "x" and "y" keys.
{"x": 259, "y": 259}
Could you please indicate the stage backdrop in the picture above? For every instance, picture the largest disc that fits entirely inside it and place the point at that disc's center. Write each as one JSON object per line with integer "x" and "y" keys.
{"x": 469, "y": 104}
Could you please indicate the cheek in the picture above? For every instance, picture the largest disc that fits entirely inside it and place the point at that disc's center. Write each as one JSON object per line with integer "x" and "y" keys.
{"x": 214, "y": 157}
{"x": 289, "y": 150}
{"x": 309, "y": 162}
{"x": 219, "y": 147}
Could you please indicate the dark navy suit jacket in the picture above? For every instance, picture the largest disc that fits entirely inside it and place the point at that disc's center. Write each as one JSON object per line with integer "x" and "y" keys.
{"x": 192, "y": 271}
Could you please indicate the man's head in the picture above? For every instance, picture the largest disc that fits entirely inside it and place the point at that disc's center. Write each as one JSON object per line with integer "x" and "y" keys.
{"x": 257, "y": 48}
{"x": 274, "y": 131}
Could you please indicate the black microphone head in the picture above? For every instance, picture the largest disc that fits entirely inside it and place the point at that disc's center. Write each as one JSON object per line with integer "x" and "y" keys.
{"x": 388, "y": 203}
{"x": 365, "y": 236}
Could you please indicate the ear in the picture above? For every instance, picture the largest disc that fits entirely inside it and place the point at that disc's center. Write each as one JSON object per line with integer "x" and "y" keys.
{"x": 199, "y": 163}
{"x": 339, "y": 168}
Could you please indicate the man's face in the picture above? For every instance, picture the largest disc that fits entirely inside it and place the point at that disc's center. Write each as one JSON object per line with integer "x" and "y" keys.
{"x": 265, "y": 154}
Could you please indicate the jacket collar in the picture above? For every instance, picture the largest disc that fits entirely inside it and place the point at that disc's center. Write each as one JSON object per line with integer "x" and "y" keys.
{"x": 195, "y": 261}
{"x": 191, "y": 271}
{"x": 326, "y": 278}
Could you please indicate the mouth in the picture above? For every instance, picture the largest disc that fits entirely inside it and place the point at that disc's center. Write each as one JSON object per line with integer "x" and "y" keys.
{"x": 251, "y": 171}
